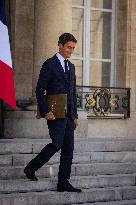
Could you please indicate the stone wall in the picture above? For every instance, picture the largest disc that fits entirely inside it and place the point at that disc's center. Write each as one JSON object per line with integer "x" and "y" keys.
{"x": 34, "y": 32}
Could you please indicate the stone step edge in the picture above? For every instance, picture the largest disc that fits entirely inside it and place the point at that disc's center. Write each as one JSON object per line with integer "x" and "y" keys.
{"x": 73, "y": 177}
{"x": 77, "y": 177}
{"x": 123, "y": 202}
{"x": 84, "y": 153}
{"x": 75, "y": 164}
{"x": 75, "y": 152}
{"x": 40, "y": 141}
{"x": 12, "y": 186}
{"x": 119, "y": 193}
{"x": 88, "y": 157}
{"x": 98, "y": 139}
{"x": 26, "y": 148}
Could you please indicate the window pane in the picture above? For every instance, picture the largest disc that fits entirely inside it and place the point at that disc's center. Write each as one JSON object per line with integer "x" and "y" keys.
{"x": 78, "y": 2}
{"x": 100, "y": 35}
{"x": 79, "y": 71}
{"x": 106, "y": 4}
{"x": 77, "y": 30}
{"x": 100, "y": 73}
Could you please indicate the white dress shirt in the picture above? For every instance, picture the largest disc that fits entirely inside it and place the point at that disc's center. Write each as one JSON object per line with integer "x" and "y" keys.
{"x": 61, "y": 59}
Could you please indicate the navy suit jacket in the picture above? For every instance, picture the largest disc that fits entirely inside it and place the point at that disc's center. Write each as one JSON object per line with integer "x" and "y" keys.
{"x": 51, "y": 81}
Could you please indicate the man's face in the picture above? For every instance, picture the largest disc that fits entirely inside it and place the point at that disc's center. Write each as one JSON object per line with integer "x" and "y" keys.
{"x": 67, "y": 49}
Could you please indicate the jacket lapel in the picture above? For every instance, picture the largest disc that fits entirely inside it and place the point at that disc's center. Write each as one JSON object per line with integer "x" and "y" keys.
{"x": 58, "y": 66}
{"x": 60, "y": 70}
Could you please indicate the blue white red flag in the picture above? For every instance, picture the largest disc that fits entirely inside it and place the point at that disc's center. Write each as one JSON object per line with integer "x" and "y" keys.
{"x": 7, "y": 91}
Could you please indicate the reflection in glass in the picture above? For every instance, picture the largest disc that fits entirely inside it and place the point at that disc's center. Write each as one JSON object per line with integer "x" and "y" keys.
{"x": 105, "y": 4}
{"x": 79, "y": 71}
{"x": 77, "y": 30}
{"x": 78, "y": 2}
{"x": 100, "y": 35}
{"x": 100, "y": 73}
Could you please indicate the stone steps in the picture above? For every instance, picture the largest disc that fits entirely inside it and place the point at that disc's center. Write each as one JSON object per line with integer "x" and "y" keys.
{"x": 85, "y": 157}
{"x": 23, "y": 159}
{"x": 13, "y": 172}
{"x": 55, "y": 198}
{"x": 104, "y": 168}
{"x": 34, "y": 146}
{"x": 85, "y": 182}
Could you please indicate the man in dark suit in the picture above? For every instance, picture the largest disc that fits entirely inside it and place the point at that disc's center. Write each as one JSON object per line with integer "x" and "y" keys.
{"x": 57, "y": 76}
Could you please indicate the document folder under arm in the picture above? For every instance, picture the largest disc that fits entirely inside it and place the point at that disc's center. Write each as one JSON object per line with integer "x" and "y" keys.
{"x": 57, "y": 103}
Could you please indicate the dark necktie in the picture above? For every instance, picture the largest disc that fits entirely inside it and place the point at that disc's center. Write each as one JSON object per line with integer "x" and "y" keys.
{"x": 66, "y": 65}
{"x": 66, "y": 74}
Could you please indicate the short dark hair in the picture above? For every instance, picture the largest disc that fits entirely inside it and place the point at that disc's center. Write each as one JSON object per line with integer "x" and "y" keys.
{"x": 66, "y": 37}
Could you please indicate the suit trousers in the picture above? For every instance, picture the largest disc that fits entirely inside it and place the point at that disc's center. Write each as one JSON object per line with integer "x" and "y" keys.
{"x": 61, "y": 132}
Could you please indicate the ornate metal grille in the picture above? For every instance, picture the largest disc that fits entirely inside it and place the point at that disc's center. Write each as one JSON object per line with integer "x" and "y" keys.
{"x": 104, "y": 102}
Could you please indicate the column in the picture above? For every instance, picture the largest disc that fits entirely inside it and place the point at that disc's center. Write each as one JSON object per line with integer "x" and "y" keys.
{"x": 22, "y": 25}
{"x": 131, "y": 63}
{"x": 52, "y": 18}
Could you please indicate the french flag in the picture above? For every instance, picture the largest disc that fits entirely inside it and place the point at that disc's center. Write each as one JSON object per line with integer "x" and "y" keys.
{"x": 7, "y": 91}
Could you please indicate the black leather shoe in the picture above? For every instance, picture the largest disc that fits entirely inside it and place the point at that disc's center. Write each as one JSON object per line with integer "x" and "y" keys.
{"x": 30, "y": 174}
{"x": 61, "y": 187}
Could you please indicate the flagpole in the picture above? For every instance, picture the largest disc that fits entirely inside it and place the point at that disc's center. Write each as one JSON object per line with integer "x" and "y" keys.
{"x": 1, "y": 119}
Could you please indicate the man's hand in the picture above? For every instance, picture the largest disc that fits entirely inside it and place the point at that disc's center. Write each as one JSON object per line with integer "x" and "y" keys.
{"x": 49, "y": 116}
{"x": 76, "y": 122}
